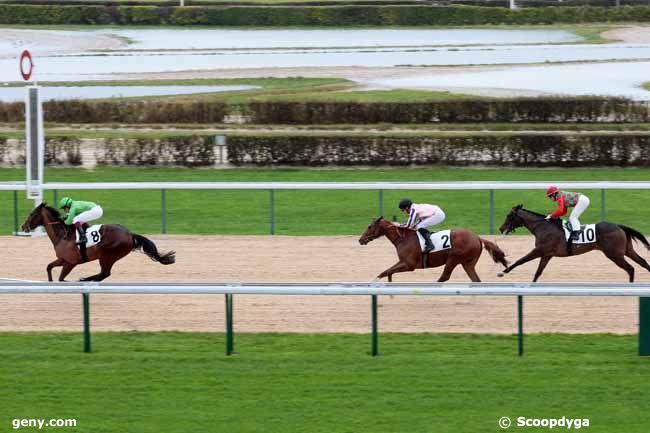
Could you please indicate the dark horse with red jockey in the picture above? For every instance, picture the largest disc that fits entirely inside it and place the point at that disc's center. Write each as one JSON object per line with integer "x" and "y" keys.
{"x": 614, "y": 240}
{"x": 465, "y": 250}
{"x": 116, "y": 242}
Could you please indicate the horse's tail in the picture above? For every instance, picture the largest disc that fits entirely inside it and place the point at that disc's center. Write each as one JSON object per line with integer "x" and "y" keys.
{"x": 631, "y": 233}
{"x": 149, "y": 248}
{"x": 497, "y": 253}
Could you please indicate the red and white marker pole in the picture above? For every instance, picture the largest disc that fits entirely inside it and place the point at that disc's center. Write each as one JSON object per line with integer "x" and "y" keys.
{"x": 35, "y": 143}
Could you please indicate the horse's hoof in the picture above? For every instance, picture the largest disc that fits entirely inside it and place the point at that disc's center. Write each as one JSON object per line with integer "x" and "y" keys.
{"x": 501, "y": 275}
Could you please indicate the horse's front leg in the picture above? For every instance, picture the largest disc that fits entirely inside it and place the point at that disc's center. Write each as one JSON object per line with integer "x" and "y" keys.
{"x": 542, "y": 264}
{"x": 397, "y": 267}
{"x": 67, "y": 267}
{"x": 50, "y": 266}
{"x": 525, "y": 259}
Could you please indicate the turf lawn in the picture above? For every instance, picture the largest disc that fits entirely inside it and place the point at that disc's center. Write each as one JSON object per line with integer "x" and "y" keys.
{"x": 183, "y": 382}
{"x": 320, "y": 212}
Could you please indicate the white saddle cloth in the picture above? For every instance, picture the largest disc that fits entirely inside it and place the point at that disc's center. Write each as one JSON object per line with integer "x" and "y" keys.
{"x": 587, "y": 235}
{"x": 93, "y": 235}
{"x": 441, "y": 240}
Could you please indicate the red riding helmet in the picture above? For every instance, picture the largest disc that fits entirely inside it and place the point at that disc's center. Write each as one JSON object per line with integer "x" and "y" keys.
{"x": 552, "y": 190}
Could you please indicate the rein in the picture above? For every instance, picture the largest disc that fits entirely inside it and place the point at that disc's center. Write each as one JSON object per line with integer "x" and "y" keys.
{"x": 55, "y": 222}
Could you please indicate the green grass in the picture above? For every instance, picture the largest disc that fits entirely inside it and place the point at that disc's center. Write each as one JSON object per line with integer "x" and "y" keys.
{"x": 443, "y": 383}
{"x": 270, "y": 88}
{"x": 274, "y": 89}
{"x": 646, "y": 85}
{"x": 396, "y": 95}
{"x": 592, "y": 34}
{"x": 321, "y": 212}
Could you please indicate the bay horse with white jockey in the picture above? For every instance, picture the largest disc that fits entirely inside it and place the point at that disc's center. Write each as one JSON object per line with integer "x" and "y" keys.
{"x": 614, "y": 240}
{"x": 116, "y": 242}
{"x": 465, "y": 250}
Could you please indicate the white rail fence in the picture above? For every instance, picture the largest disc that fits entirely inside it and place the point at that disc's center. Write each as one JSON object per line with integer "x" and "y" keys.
{"x": 272, "y": 187}
{"x": 641, "y": 290}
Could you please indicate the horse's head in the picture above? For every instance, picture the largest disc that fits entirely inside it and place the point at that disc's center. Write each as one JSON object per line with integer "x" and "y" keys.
{"x": 376, "y": 229}
{"x": 34, "y": 219}
{"x": 38, "y": 217}
{"x": 513, "y": 220}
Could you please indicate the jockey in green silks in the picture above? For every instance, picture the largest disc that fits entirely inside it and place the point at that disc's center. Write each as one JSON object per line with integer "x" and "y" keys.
{"x": 79, "y": 212}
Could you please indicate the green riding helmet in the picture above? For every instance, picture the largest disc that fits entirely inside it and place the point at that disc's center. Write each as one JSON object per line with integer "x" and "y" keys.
{"x": 65, "y": 202}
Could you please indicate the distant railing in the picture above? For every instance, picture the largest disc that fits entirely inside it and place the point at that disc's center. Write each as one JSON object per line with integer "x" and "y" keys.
{"x": 271, "y": 187}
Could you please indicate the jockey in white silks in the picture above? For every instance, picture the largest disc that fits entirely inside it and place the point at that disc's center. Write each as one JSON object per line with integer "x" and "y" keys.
{"x": 422, "y": 216}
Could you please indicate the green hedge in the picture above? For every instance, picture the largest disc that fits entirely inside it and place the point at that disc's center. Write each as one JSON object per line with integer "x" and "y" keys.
{"x": 63, "y": 151}
{"x": 174, "y": 151}
{"x": 497, "y": 110}
{"x": 490, "y": 150}
{"x": 76, "y": 111}
{"x": 365, "y": 15}
{"x": 527, "y": 110}
{"x": 183, "y": 151}
{"x": 520, "y": 150}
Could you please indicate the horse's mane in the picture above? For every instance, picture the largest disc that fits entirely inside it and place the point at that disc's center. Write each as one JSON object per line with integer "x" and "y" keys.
{"x": 555, "y": 221}
{"x": 399, "y": 228}
{"x": 52, "y": 211}
{"x": 532, "y": 212}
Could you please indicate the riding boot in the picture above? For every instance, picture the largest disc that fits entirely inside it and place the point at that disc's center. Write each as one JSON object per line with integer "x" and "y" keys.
{"x": 82, "y": 236}
{"x": 428, "y": 245}
{"x": 575, "y": 235}
{"x": 82, "y": 243}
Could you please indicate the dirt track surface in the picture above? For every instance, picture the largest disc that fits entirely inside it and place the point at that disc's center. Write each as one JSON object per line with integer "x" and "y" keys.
{"x": 308, "y": 259}
{"x": 631, "y": 34}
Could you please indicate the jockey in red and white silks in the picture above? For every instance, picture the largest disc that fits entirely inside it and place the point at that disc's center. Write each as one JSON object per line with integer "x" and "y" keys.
{"x": 565, "y": 200}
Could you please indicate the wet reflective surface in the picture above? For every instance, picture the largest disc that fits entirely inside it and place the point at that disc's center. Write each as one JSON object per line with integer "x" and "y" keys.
{"x": 610, "y": 79}
{"x": 116, "y": 52}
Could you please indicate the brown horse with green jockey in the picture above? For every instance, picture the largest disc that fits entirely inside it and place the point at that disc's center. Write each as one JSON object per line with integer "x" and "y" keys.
{"x": 116, "y": 242}
{"x": 465, "y": 250}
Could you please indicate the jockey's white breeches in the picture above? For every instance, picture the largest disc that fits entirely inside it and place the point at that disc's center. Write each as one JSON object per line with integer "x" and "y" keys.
{"x": 583, "y": 203}
{"x": 89, "y": 215}
{"x": 434, "y": 219}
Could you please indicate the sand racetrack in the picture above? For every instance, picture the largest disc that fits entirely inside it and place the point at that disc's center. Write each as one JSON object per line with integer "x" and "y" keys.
{"x": 308, "y": 259}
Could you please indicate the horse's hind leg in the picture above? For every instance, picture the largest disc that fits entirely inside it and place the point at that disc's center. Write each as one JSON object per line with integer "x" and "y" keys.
{"x": 471, "y": 272}
{"x": 623, "y": 264}
{"x": 449, "y": 268}
{"x": 637, "y": 258}
{"x": 106, "y": 262}
{"x": 105, "y": 272}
